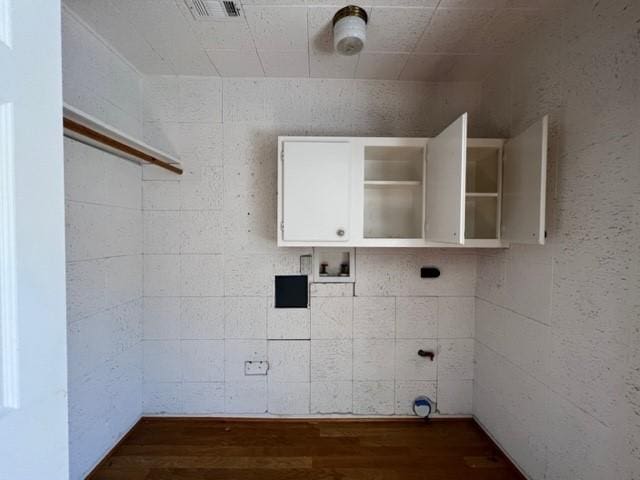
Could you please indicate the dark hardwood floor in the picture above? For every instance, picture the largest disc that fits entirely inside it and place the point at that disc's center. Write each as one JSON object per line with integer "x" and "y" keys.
{"x": 247, "y": 449}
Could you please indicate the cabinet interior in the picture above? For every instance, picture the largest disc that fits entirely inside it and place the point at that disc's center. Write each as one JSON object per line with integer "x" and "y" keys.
{"x": 482, "y": 205}
{"x": 481, "y": 221}
{"x": 482, "y": 169}
{"x": 385, "y": 163}
{"x": 393, "y": 194}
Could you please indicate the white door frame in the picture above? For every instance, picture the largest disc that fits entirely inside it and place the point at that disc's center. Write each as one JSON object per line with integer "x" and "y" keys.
{"x": 33, "y": 358}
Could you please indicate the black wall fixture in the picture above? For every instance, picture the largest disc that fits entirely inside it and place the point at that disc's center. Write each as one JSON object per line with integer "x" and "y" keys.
{"x": 426, "y": 354}
{"x": 292, "y": 291}
{"x": 429, "y": 272}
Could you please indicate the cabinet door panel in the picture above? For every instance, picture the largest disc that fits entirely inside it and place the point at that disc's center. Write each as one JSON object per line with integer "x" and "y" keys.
{"x": 316, "y": 191}
{"x": 524, "y": 181}
{"x": 446, "y": 179}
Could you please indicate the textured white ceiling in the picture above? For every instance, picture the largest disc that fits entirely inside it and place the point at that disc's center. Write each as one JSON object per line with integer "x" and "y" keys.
{"x": 406, "y": 39}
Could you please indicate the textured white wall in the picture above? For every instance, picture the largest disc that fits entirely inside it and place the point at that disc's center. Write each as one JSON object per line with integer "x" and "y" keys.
{"x": 557, "y": 330}
{"x": 210, "y": 258}
{"x": 556, "y": 336}
{"x": 104, "y": 253}
{"x": 97, "y": 79}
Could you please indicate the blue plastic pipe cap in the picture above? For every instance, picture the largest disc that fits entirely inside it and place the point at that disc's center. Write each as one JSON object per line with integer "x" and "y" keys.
{"x": 422, "y": 406}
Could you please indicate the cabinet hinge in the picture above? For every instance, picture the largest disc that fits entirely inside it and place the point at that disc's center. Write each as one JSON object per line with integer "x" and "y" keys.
{"x": 282, "y": 154}
{"x": 282, "y": 226}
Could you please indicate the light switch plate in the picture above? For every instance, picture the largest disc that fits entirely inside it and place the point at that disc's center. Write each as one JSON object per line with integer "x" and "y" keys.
{"x": 254, "y": 367}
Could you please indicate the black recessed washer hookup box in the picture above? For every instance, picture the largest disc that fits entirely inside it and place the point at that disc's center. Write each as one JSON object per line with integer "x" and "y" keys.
{"x": 429, "y": 272}
{"x": 292, "y": 291}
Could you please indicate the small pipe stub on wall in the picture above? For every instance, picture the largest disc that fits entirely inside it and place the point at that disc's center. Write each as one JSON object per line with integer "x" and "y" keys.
{"x": 426, "y": 354}
{"x": 429, "y": 272}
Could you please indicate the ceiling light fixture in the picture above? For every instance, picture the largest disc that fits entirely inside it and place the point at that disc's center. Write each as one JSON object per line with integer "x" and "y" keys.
{"x": 349, "y": 30}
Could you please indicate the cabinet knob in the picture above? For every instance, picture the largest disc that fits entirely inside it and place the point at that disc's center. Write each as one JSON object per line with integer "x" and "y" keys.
{"x": 340, "y": 232}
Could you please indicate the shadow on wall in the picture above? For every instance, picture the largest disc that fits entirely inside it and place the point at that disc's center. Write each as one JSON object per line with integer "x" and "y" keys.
{"x": 323, "y": 40}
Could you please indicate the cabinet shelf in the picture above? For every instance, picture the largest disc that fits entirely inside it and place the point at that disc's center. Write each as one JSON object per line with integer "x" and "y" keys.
{"x": 482, "y": 194}
{"x": 392, "y": 183}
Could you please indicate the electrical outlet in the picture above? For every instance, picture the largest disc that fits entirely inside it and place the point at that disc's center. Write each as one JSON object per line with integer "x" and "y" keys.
{"x": 256, "y": 367}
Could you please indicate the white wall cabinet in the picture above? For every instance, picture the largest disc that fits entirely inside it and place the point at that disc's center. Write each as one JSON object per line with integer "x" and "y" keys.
{"x": 448, "y": 190}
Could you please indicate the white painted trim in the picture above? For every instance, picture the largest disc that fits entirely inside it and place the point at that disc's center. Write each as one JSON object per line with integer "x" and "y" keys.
{"x": 402, "y": 243}
{"x": 317, "y": 416}
{"x": 5, "y": 23}
{"x": 9, "y": 394}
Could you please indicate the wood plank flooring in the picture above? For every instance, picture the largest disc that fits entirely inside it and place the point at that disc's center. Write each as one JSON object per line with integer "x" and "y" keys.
{"x": 285, "y": 449}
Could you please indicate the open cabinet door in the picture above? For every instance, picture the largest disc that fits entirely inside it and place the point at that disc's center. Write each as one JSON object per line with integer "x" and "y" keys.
{"x": 524, "y": 185}
{"x": 446, "y": 179}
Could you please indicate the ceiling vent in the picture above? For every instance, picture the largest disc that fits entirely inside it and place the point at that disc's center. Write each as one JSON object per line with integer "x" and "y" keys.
{"x": 212, "y": 10}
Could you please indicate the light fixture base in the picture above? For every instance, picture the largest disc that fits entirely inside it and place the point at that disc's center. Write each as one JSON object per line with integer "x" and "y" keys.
{"x": 351, "y": 11}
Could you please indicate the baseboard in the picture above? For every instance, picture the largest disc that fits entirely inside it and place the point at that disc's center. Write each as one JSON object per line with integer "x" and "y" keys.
{"x": 333, "y": 417}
